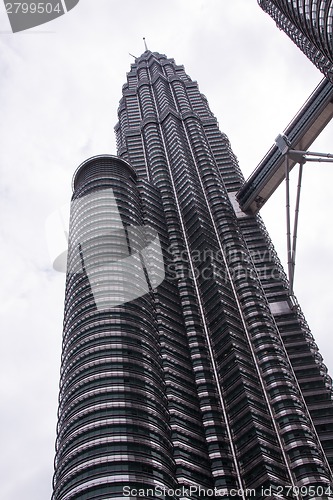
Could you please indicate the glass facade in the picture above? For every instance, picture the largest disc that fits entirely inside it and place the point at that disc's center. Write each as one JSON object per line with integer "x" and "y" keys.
{"x": 309, "y": 23}
{"x": 212, "y": 379}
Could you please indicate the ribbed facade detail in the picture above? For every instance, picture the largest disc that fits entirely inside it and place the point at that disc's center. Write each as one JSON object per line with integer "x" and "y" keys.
{"x": 210, "y": 380}
{"x": 233, "y": 274}
{"x": 309, "y": 23}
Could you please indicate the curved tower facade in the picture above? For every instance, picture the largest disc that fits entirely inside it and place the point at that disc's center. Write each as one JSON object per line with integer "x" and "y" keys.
{"x": 113, "y": 424}
{"x": 309, "y": 23}
{"x": 209, "y": 382}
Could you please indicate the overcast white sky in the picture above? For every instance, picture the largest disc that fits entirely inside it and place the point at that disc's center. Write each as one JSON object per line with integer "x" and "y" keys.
{"x": 60, "y": 88}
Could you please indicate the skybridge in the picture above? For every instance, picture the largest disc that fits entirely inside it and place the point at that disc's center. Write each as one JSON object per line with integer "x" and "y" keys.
{"x": 295, "y": 141}
{"x": 290, "y": 148}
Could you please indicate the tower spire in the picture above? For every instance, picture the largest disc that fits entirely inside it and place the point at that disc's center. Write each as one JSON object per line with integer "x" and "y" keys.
{"x": 144, "y": 41}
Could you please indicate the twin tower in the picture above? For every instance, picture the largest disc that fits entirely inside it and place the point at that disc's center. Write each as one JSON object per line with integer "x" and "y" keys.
{"x": 188, "y": 370}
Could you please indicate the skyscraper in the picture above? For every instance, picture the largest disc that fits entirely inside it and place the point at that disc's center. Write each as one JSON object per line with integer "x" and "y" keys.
{"x": 202, "y": 380}
{"x": 309, "y": 24}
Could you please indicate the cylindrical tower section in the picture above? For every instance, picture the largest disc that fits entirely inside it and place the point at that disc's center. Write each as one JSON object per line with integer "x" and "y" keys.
{"x": 113, "y": 432}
